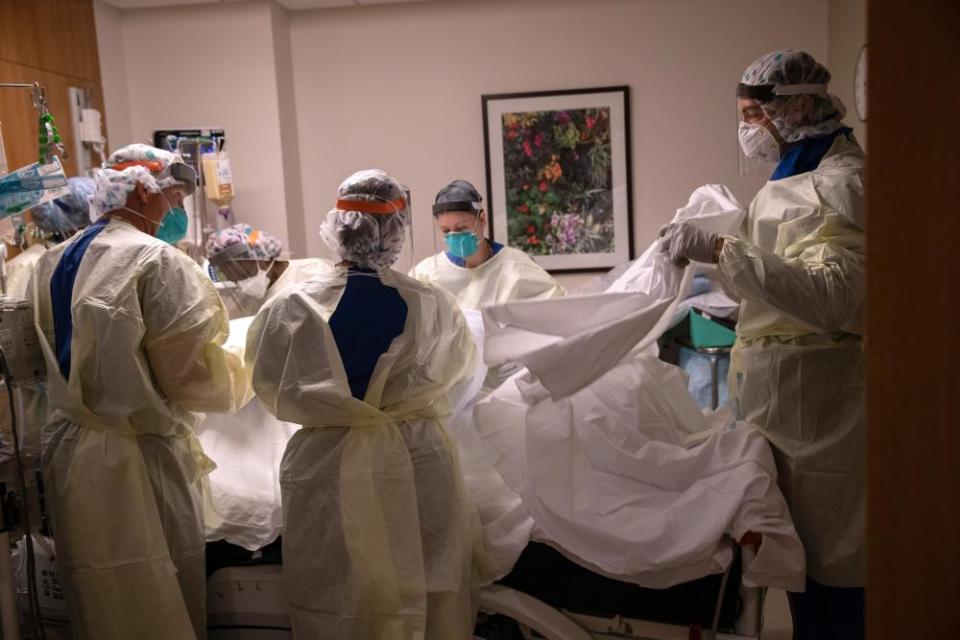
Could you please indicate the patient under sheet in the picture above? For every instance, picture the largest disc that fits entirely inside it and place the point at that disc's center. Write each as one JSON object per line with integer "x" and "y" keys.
{"x": 242, "y": 495}
{"x": 599, "y": 449}
{"x": 594, "y": 446}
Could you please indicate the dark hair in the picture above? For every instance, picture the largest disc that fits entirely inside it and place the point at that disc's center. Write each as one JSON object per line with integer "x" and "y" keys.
{"x": 460, "y": 196}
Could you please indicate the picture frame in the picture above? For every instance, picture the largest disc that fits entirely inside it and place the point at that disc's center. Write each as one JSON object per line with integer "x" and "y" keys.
{"x": 559, "y": 176}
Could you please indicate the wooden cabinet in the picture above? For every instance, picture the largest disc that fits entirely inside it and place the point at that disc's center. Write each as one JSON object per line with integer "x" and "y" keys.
{"x": 19, "y": 118}
{"x": 59, "y": 36}
{"x": 53, "y": 42}
{"x": 19, "y": 40}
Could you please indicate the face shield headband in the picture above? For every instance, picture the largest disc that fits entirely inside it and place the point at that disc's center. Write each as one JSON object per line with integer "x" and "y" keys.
{"x": 460, "y": 205}
{"x": 373, "y": 207}
{"x": 179, "y": 171}
{"x": 768, "y": 92}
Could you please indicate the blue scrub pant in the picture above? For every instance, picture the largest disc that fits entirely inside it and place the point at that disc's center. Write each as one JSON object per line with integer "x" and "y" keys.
{"x": 827, "y": 613}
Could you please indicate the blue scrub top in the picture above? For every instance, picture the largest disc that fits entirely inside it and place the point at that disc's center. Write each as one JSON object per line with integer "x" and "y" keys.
{"x": 805, "y": 155}
{"x": 61, "y": 293}
{"x": 367, "y": 319}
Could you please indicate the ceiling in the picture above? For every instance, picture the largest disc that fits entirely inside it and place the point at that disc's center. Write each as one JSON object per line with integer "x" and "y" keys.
{"x": 289, "y": 4}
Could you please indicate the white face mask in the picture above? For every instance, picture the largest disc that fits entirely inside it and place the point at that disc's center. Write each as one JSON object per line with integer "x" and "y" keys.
{"x": 256, "y": 286}
{"x": 758, "y": 143}
{"x": 253, "y": 290}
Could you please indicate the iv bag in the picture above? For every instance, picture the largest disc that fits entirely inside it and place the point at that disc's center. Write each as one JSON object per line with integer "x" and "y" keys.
{"x": 32, "y": 185}
{"x": 218, "y": 177}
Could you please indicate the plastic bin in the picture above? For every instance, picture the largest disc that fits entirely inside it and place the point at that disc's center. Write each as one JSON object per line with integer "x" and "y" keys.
{"x": 706, "y": 333}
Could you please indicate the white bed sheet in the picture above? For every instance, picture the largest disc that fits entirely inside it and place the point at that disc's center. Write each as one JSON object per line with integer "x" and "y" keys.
{"x": 595, "y": 447}
{"x": 244, "y": 490}
{"x": 242, "y": 495}
{"x": 604, "y": 449}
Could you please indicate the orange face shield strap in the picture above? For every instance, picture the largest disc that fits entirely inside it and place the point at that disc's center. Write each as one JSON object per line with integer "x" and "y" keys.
{"x": 153, "y": 166}
{"x": 372, "y": 206}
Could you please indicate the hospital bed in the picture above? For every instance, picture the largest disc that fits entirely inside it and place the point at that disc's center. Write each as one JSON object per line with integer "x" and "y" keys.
{"x": 545, "y": 596}
{"x": 543, "y": 592}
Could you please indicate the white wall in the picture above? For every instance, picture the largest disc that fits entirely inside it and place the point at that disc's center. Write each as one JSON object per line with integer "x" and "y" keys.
{"x": 211, "y": 66}
{"x": 398, "y": 87}
{"x": 113, "y": 73}
{"x": 296, "y": 240}
{"x": 847, "y": 34}
{"x": 309, "y": 97}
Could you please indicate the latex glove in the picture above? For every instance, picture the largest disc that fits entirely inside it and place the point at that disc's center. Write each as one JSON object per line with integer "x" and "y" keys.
{"x": 684, "y": 242}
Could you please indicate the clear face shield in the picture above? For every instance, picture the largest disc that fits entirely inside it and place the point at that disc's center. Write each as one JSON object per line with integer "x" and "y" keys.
{"x": 242, "y": 281}
{"x": 372, "y": 233}
{"x": 758, "y": 149}
{"x": 753, "y": 136}
{"x": 406, "y": 260}
{"x": 460, "y": 230}
{"x": 69, "y": 228}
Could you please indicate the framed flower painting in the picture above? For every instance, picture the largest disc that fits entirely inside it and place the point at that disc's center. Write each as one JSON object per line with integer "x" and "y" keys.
{"x": 558, "y": 176}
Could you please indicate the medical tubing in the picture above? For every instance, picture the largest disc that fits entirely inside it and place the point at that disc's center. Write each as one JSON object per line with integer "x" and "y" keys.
{"x": 715, "y": 628}
{"x": 32, "y": 589}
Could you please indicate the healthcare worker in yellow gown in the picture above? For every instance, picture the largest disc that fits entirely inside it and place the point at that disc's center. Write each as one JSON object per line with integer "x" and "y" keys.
{"x": 476, "y": 270}
{"x": 52, "y": 223}
{"x": 250, "y": 263}
{"x": 131, "y": 331}
{"x": 379, "y": 539}
{"x": 249, "y": 267}
{"x": 797, "y": 367}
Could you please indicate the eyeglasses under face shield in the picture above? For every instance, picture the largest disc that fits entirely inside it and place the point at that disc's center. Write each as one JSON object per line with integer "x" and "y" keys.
{"x": 179, "y": 171}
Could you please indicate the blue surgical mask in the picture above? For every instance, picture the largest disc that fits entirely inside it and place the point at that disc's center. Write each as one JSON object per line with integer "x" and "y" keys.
{"x": 173, "y": 226}
{"x": 462, "y": 244}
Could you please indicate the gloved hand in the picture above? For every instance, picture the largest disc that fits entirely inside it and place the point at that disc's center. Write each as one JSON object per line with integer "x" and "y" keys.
{"x": 685, "y": 242}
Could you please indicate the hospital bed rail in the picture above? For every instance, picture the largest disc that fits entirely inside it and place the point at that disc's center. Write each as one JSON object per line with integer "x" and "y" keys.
{"x": 247, "y": 603}
{"x": 502, "y": 606}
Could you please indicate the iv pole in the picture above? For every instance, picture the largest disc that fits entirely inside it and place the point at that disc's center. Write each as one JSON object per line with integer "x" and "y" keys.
{"x": 9, "y": 616}
{"x": 203, "y": 228}
{"x": 49, "y": 140}
{"x": 46, "y": 120}
{"x": 34, "y": 87}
